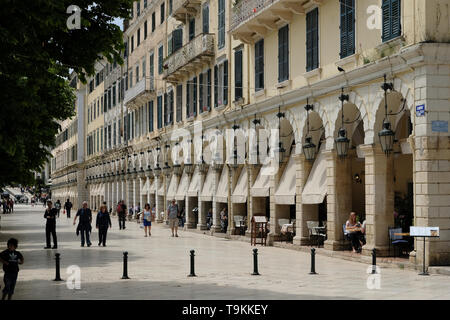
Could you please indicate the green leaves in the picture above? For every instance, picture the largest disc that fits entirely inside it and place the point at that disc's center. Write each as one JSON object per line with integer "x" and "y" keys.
{"x": 38, "y": 53}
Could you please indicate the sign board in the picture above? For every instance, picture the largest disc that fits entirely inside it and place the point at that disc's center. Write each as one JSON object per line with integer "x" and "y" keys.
{"x": 424, "y": 231}
{"x": 439, "y": 126}
{"x": 420, "y": 110}
{"x": 259, "y": 219}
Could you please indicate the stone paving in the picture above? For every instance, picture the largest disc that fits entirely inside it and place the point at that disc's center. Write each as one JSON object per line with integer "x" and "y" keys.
{"x": 159, "y": 265}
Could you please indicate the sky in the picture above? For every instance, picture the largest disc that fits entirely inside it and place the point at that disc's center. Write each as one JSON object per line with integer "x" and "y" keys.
{"x": 119, "y": 22}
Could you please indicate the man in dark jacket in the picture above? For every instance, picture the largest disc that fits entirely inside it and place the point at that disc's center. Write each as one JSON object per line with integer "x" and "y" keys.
{"x": 50, "y": 227}
{"x": 84, "y": 224}
{"x": 103, "y": 221}
{"x": 122, "y": 213}
{"x": 68, "y": 206}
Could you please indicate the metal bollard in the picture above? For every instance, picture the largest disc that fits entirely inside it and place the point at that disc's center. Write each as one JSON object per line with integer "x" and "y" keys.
{"x": 192, "y": 274}
{"x": 57, "y": 259}
{"x": 313, "y": 261}
{"x": 125, "y": 265}
{"x": 255, "y": 263}
{"x": 374, "y": 261}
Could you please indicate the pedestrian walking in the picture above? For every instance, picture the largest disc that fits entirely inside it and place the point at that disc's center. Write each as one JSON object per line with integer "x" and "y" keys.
{"x": 50, "y": 226}
{"x": 102, "y": 223}
{"x": 10, "y": 258}
{"x": 147, "y": 219}
{"x": 173, "y": 214}
{"x": 84, "y": 225}
{"x": 224, "y": 220}
{"x": 11, "y": 205}
{"x": 122, "y": 213}
{"x": 183, "y": 217}
{"x": 68, "y": 206}
{"x": 58, "y": 206}
{"x": 209, "y": 219}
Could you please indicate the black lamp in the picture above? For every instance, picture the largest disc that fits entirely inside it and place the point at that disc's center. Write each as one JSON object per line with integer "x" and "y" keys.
{"x": 309, "y": 148}
{"x": 342, "y": 142}
{"x": 386, "y": 135}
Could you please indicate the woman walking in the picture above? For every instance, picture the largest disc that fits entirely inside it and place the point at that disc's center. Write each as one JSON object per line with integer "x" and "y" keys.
{"x": 103, "y": 221}
{"x": 147, "y": 219}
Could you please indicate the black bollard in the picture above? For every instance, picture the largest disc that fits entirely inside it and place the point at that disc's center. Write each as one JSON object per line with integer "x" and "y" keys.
{"x": 57, "y": 259}
{"x": 313, "y": 261}
{"x": 192, "y": 274}
{"x": 255, "y": 263}
{"x": 125, "y": 265}
{"x": 374, "y": 261}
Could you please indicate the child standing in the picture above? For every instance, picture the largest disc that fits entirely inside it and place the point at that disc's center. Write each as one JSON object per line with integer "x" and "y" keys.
{"x": 10, "y": 258}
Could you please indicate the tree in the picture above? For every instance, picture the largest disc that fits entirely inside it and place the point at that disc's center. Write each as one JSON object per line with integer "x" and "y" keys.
{"x": 38, "y": 53}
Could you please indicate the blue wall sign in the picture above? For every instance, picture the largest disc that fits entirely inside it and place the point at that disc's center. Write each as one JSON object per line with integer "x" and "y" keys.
{"x": 439, "y": 126}
{"x": 420, "y": 110}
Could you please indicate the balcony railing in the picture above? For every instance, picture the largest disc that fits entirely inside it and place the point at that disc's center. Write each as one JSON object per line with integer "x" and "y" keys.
{"x": 198, "y": 51}
{"x": 140, "y": 93}
{"x": 246, "y": 9}
{"x": 183, "y": 8}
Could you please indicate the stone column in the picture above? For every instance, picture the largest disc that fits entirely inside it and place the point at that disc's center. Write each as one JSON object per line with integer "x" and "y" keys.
{"x": 432, "y": 198}
{"x": 141, "y": 186}
{"x": 304, "y": 212}
{"x": 233, "y": 176}
{"x": 159, "y": 200}
{"x": 201, "y": 225}
{"x": 253, "y": 171}
{"x": 136, "y": 190}
{"x": 274, "y": 227}
{"x": 130, "y": 192}
{"x": 82, "y": 190}
{"x": 379, "y": 199}
{"x": 339, "y": 199}
{"x": 215, "y": 209}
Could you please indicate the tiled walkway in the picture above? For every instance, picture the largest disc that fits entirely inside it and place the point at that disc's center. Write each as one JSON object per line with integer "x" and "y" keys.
{"x": 159, "y": 265}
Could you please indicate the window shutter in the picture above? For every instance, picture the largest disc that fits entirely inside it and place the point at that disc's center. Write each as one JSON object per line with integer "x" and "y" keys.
{"x": 200, "y": 99}
{"x": 386, "y": 10}
{"x": 206, "y": 19}
{"x": 177, "y": 39}
{"x": 343, "y": 30}
{"x": 188, "y": 99}
{"x": 238, "y": 74}
{"x": 309, "y": 41}
{"x": 396, "y": 18}
{"x": 195, "y": 97}
{"x": 225, "y": 82}
{"x": 216, "y": 86}
{"x": 208, "y": 102}
{"x": 150, "y": 113}
{"x": 179, "y": 102}
{"x": 171, "y": 107}
{"x": 166, "y": 113}
{"x": 351, "y": 27}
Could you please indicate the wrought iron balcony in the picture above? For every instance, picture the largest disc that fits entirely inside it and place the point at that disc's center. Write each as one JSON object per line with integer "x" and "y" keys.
{"x": 257, "y": 17}
{"x": 181, "y": 9}
{"x": 140, "y": 93}
{"x": 191, "y": 56}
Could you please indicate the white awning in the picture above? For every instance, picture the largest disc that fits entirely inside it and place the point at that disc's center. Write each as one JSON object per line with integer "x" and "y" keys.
{"x": 240, "y": 191}
{"x": 285, "y": 192}
{"x": 222, "y": 188}
{"x": 152, "y": 189}
{"x": 173, "y": 186}
{"x": 182, "y": 187}
{"x": 101, "y": 190}
{"x": 194, "y": 187}
{"x": 145, "y": 187}
{"x": 261, "y": 186}
{"x": 208, "y": 186}
{"x": 315, "y": 188}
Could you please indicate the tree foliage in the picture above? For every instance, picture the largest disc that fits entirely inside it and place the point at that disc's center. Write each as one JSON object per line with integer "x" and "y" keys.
{"x": 37, "y": 54}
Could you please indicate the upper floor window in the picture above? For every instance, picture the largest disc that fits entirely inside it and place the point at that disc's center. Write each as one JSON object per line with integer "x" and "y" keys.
{"x": 221, "y": 84}
{"x": 205, "y": 17}
{"x": 191, "y": 97}
{"x": 179, "y": 102}
{"x": 221, "y": 24}
{"x": 170, "y": 6}
{"x": 312, "y": 40}
{"x": 145, "y": 4}
{"x": 259, "y": 65}
{"x": 159, "y": 111}
{"x": 132, "y": 43}
{"x": 138, "y": 8}
{"x": 191, "y": 29}
{"x": 153, "y": 21}
{"x": 150, "y": 116}
{"x": 205, "y": 91}
{"x": 163, "y": 14}
{"x": 238, "y": 74}
{"x": 160, "y": 59}
{"x": 145, "y": 30}
{"x": 283, "y": 54}
{"x": 138, "y": 37}
{"x": 347, "y": 28}
{"x": 392, "y": 27}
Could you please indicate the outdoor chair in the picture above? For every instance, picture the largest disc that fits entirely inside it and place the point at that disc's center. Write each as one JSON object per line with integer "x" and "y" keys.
{"x": 314, "y": 232}
{"x": 282, "y": 222}
{"x": 239, "y": 223}
{"x": 396, "y": 240}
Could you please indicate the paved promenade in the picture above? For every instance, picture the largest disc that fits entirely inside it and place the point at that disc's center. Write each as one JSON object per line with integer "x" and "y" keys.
{"x": 159, "y": 265}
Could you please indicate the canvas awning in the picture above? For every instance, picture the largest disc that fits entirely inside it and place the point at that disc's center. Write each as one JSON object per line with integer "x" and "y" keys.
{"x": 208, "y": 186}
{"x": 194, "y": 186}
{"x": 173, "y": 186}
{"x": 261, "y": 186}
{"x": 145, "y": 187}
{"x": 285, "y": 192}
{"x": 182, "y": 187}
{"x": 240, "y": 191}
{"x": 152, "y": 189}
{"x": 101, "y": 190}
{"x": 315, "y": 188}
{"x": 222, "y": 188}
